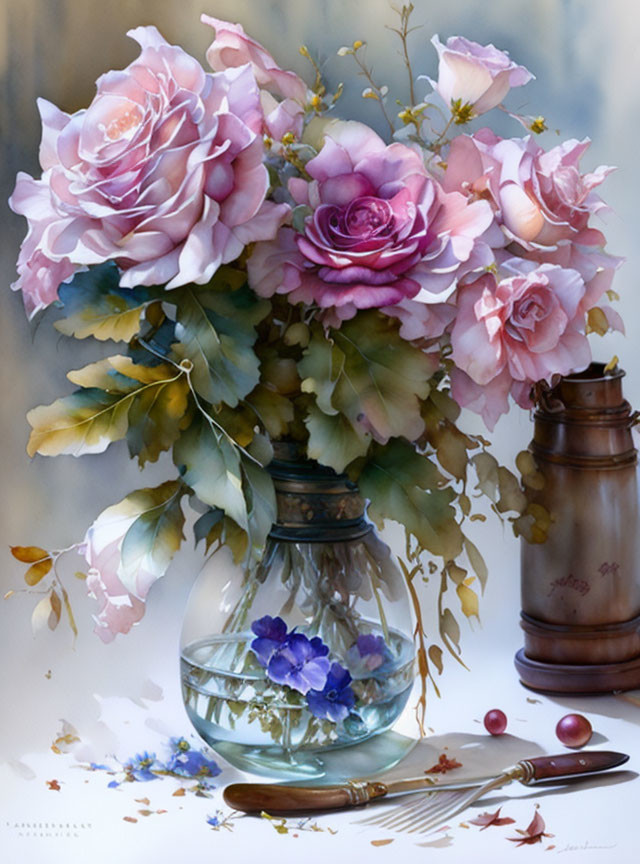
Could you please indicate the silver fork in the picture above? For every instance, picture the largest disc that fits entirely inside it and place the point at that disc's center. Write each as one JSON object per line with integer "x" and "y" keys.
{"x": 433, "y": 809}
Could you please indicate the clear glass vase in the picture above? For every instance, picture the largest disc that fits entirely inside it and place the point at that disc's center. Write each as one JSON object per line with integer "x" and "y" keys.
{"x": 308, "y": 652}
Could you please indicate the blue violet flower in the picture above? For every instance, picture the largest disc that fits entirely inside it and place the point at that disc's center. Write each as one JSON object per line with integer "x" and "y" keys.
{"x": 140, "y": 767}
{"x": 290, "y": 658}
{"x": 271, "y": 633}
{"x": 335, "y": 701}
{"x": 368, "y": 653}
{"x": 186, "y": 762}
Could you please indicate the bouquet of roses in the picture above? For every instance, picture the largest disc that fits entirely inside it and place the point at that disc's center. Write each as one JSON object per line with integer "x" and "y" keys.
{"x": 271, "y": 272}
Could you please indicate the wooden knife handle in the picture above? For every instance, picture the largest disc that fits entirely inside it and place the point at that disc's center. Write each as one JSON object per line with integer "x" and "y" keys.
{"x": 566, "y": 764}
{"x": 272, "y": 797}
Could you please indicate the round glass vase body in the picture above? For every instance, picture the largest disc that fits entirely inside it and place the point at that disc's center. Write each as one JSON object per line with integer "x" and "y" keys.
{"x": 310, "y": 651}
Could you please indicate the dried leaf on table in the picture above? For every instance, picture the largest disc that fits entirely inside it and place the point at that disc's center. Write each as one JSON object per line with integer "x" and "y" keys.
{"x": 533, "y": 833}
{"x": 487, "y": 819}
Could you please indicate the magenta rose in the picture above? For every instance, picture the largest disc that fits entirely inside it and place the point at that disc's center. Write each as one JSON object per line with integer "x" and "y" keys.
{"x": 509, "y": 334}
{"x": 163, "y": 174}
{"x": 379, "y": 229}
{"x": 231, "y": 48}
{"x": 477, "y": 75}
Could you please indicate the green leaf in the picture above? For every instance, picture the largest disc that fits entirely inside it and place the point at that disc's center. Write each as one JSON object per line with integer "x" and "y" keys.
{"x": 333, "y": 441}
{"x": 261, "y": 504}
{"x": 404, "y": 485}
{"x": 210, "y": 465}
{"x": 95, "y": 305}
{"x": 90, "y": 419}
{"x": 203, "y": 526}
{"x": 155, "y": 535}
{"x": 274, "y": 411}
{"x": 477, "y": 562}
{"x": 368, "y": 373}
{"x": 216, "y": 332}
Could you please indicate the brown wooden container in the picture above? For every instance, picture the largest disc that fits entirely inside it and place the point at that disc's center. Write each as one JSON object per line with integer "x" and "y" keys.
{"x": 581, "y": 589}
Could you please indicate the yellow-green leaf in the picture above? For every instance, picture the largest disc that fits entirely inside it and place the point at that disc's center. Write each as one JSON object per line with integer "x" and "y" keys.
{"x": 67, "y": 606}
{"x": 333, "y": 440}
{"x": 435, "y": 655}
{"x": 468, "y": 600}
{"x": 404, "y": 485}
{"x": 29, "y": 554}
{"x": 477, "y": 562}
{"x": 274, "y": 411}
{"x": 367, "y": 372}
{"x": 597, "y": 321}
{"x": 154, "y": 536}
{"x": 95, "y": 305}
{"x": 89, "y": 420}
{"x": 38, "y": 571}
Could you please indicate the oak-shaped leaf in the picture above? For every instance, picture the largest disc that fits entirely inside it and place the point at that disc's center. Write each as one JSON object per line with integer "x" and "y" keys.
{"x": 486, "y": 819}
{"x": 116, "y": 391}
{"x": 406, "y": 486}
{"x": 333, "y": 440}
{"x": 273, "y": 411}
{"x": 95, "y": 305}
{"x": 216, "y": 332}
{"x": 369, "y": 374}
{"x": 533, "y": 833}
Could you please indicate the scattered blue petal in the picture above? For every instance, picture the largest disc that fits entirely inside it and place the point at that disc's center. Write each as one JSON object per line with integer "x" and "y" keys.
{"x": 113, "y": 784}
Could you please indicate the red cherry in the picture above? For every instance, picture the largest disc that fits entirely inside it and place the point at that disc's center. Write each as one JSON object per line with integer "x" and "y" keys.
{"x": 574, "y": 730}
{"x": 495, "y": 721}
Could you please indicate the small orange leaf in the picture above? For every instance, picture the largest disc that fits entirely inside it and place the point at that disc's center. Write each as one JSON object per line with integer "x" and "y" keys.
{"x": 53, "y": 785}
{"x": 382, "y": 842}
{"x": 178, "y": 793}
{"x": 29, "y": 554}
{"x": 56, "y": 609}
{"x": 38, "y": 571}
{"x": 128, "y": 819}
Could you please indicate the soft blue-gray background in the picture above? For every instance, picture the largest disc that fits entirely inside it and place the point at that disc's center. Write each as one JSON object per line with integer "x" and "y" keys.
{"x": 584, "y": 54}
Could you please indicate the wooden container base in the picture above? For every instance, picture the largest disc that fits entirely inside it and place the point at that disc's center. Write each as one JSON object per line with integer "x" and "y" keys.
{"x": 578, "y": 680}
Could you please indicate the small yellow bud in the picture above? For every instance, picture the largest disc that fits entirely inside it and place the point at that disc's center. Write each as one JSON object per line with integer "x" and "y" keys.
{"x": 369, "y": 93}
{"x": 304, "y": 51}
{"x": 316, "y": 101}
{"x": 357, "y": 44}
{"x": 268, "y": 142}
{"x": 611, "y": 365}
{"x": 462, "y": 112}
{"x": 538, "y": 125}
{"x": 406, "y": 116}
{"x": 288, "y": 138}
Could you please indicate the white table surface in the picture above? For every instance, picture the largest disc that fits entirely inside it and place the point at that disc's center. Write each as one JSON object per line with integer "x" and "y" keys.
{"x": 85, "y": 820}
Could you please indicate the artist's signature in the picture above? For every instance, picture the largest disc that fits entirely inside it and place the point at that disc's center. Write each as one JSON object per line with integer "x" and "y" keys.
{"x": 48, "y": 829}
{"x": 582, "y": 847}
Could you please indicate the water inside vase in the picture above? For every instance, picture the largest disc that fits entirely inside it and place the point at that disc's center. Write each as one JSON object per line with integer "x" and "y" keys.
{"x": 259, "y": 726}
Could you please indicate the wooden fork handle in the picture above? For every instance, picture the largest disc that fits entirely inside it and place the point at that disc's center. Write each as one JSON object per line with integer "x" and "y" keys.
{"x": 256, "y": 797}
{"x": 567, "y": 764}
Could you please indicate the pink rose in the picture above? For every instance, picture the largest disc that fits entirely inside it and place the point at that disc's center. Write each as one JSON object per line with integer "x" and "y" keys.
{"x": 540, "y": 198}
{"x": 509, "y": 334}
{"x": 231, "y": 48}
{"x": 119, "y": 609}
{"x": 477, "y": 75}
{"x": 379, "y": 229}
{"x": 163, "y": 173}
